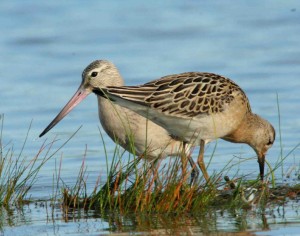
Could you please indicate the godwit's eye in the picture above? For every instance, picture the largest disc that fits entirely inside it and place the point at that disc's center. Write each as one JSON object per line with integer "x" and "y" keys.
{"x": 94, "y": 74}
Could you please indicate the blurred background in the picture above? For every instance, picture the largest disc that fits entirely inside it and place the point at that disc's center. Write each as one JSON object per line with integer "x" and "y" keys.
{"x": 45, "y": 46}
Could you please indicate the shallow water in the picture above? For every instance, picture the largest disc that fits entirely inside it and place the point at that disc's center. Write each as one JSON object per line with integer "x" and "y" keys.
{"x": 45, "y": 46}
{"x": 45, "y": 220}
{"x": 92, "y": 224}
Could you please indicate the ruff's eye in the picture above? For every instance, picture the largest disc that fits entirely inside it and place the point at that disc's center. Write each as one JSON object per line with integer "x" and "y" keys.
{"x": 94, "y": 74}
{"x": 270, "y": 142}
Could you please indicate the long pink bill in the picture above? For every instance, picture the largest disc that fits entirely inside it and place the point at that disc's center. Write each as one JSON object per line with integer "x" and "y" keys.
{"x": 74, "y": 101}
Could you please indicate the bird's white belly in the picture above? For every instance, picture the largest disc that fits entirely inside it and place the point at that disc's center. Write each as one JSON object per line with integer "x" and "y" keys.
{"x": 137, "y": 134}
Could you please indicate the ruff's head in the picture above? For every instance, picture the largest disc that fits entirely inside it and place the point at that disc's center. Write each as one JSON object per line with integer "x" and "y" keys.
{"x": 261, "y": 139}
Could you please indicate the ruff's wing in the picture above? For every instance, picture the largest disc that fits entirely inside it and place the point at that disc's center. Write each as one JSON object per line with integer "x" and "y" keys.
{"x": 183, "y": 95}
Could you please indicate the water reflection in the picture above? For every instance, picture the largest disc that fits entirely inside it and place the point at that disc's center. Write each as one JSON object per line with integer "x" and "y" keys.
{"x": 49, "y": 218}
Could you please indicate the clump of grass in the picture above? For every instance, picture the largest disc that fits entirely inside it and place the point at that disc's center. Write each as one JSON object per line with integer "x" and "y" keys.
{"x": 18, "y": 172}
{"x": 163, "y": 186}
{"x": 76, "y": 196}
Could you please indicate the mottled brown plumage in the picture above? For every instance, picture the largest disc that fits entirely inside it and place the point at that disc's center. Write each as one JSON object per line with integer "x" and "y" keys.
{"x": 186, "y": 95}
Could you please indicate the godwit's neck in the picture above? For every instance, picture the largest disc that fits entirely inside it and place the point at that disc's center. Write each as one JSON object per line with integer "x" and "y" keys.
{"x": 111, "y": 117}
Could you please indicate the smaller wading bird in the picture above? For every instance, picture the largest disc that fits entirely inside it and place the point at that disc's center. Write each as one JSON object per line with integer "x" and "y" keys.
{"x": 132, "y": 131}
{"x": 197, "y": 108}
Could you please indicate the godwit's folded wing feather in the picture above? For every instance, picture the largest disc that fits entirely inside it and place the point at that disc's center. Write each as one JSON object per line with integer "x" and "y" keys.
{"x": 183, "y": 95}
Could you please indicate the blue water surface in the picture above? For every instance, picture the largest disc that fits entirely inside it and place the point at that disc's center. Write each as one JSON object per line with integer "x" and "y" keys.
{"x": 45, "y": 45}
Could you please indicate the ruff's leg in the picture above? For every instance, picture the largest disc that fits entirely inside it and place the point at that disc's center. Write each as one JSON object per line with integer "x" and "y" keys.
{"x": 195, "y": 171}
{"x": 183, "y": 160}
{"x": 201, "y": 161}
{"x": 154, "y": 169}
{"x": 188, "y": 156}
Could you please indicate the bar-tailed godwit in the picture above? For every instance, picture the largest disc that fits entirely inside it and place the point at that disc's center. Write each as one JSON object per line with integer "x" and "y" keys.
{"x": 127, "y": 128}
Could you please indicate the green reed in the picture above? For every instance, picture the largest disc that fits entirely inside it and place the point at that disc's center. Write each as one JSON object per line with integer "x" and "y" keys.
{"x": 18, "y": 172}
